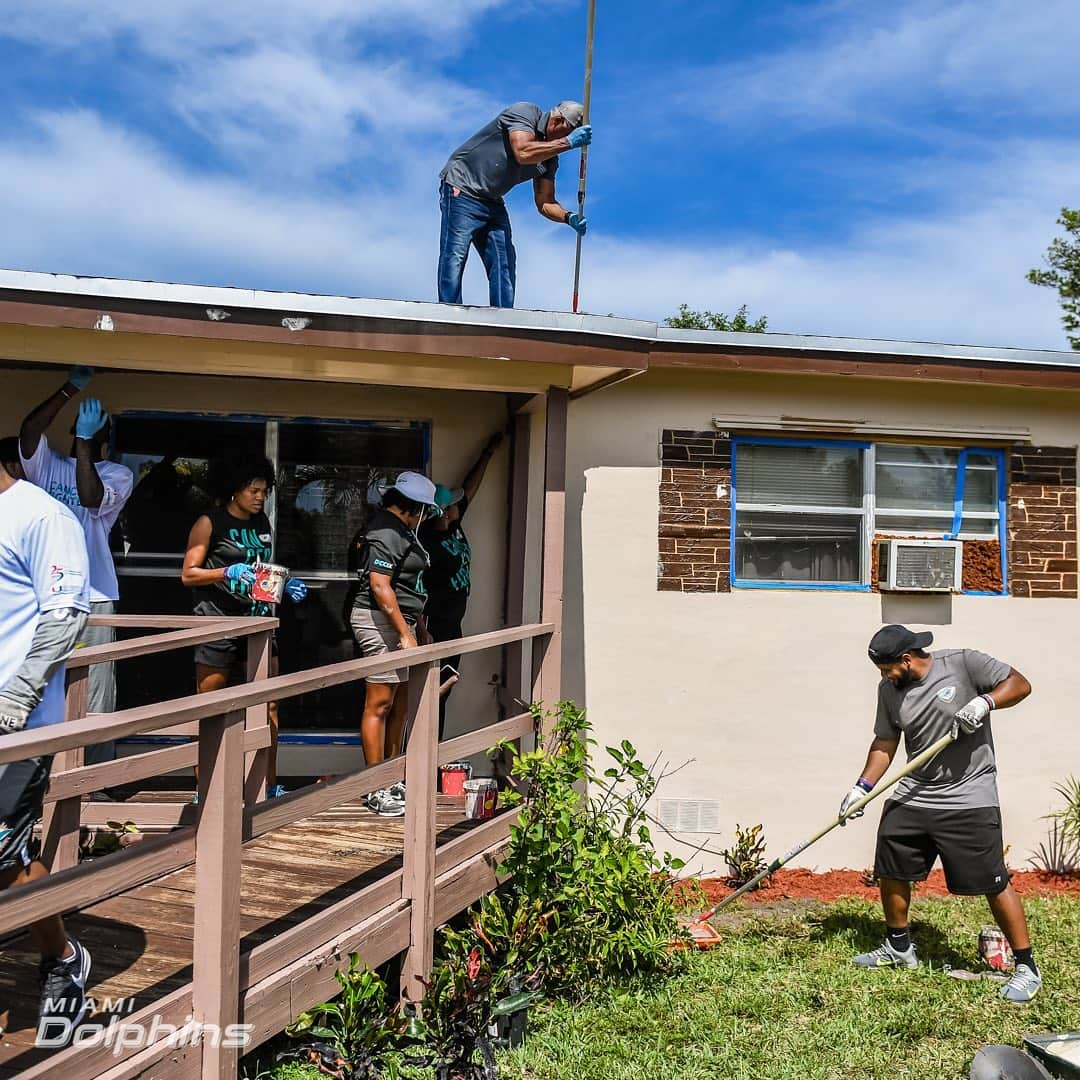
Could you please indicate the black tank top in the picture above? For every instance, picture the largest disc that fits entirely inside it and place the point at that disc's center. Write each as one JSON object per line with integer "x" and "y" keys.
{"x": 234, "y": 540}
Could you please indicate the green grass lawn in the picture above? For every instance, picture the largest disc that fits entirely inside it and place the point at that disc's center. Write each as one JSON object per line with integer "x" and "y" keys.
{"x": 779, "y": 999}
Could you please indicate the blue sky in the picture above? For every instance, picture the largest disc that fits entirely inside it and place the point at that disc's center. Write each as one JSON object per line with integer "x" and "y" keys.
{"x": 851, "y": 168}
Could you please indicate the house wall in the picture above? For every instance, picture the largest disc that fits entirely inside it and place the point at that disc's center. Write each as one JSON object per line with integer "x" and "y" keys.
{"x": 461, "y": 422}
{"x": 768, "y": 693}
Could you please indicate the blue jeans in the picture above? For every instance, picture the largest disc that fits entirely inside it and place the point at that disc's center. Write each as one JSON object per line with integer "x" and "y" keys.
{"x": 466, "y": 222}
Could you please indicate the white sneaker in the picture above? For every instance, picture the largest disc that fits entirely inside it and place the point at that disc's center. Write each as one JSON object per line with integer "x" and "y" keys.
{"x": 885, "y": 956}
{"x": 398, "y": 790}
{"x": 383, "y": 803}
{"x": 1023, "y": 986}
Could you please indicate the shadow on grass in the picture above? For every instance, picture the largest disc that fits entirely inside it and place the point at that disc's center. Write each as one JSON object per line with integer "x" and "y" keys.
{"x": 866, "y": 931}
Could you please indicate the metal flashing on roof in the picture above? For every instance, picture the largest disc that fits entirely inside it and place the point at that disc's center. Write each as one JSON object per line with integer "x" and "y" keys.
{"x": 218, "y": 303}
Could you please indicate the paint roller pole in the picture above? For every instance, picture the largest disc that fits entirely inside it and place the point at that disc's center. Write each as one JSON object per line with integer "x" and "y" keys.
{"x": 915, "y": 763}
{"x": 584, "y": 150}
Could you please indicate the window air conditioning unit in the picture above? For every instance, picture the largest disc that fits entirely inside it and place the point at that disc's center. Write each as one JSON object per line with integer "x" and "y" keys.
{"x": 920, "y": 565}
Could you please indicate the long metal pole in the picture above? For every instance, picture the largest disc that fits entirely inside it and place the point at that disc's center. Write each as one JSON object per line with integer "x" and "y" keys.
{"x": 915, "y": 763}
{"x": 584, "y": 150}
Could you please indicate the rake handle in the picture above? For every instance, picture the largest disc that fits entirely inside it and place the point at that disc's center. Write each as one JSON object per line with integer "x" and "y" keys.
{"x": 915, "y": 763}
{"x": 584, "y": 150}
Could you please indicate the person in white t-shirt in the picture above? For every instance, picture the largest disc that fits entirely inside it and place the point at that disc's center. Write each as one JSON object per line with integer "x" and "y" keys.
{"x": 44, "y": 601}
{"x": 95, "y": 490}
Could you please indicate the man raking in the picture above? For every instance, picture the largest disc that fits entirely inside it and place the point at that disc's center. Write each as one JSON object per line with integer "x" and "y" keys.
{"x": 522, "y": 143}
{"x": 950, "y": 807}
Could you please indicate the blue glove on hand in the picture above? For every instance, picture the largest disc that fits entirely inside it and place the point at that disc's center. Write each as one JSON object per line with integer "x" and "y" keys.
{"x": 92, "y": 418}
{"x": 580, "y": 136}
{"x": 577, "y": 223}
{"x": 80, "y": 376}
{"x": 296, "y": 589}
{"x": 240, "y": 573}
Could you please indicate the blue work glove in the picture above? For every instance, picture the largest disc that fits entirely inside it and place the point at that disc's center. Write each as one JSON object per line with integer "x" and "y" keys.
{"x": 577, "y": 223}
{"x": 296, "y": 589}
{"x": 92, "y": 418}
{"x": 240, "y": 573}
{"x": 79, "y": 376}
{"x": 580, "y": 136}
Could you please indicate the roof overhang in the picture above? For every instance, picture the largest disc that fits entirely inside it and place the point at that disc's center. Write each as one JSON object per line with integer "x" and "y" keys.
{"x": 157, "y": 326}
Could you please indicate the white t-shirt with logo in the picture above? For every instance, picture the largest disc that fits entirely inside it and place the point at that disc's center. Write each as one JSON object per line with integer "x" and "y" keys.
{"x": 55, "y": 474}
{"x": 43, "y": 568}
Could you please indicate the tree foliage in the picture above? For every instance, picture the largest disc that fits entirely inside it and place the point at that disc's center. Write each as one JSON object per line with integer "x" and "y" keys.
{"x": 1063, "y": 260}
{"x": 740, "y": 322}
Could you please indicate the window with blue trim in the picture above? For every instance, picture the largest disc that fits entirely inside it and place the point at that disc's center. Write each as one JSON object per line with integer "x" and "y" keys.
{"x": 805, "y": 512}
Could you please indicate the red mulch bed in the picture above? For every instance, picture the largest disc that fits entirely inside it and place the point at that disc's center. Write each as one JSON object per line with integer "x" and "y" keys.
{"x": 833, "y": 884}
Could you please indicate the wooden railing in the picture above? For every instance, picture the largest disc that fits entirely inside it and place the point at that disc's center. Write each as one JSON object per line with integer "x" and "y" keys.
{"x": 396, "y": 914}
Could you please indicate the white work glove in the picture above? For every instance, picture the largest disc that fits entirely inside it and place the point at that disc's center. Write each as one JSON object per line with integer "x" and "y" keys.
{"x": 970, "y": 718}
{"x": 850, "y": 799}
{"x": 13, "y": 717}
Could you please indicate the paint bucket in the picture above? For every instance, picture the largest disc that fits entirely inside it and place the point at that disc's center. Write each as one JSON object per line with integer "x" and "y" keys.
{"x": 994, "y": 949}
{"x": 269, "y": 586}
{"x": 480, "y": 797}
{"x": 453, "y": 776}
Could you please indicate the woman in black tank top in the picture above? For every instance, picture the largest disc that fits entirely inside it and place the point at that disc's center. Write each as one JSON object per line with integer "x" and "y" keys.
{"x": 222, "y": 549}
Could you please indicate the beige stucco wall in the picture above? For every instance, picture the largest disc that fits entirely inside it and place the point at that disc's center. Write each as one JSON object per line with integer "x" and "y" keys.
{"x": 769, "y": 692}
{"x": 461, "y": 422}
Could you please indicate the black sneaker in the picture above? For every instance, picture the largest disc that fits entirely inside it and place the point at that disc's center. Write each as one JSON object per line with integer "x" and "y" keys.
{"x": 63, "y": 997}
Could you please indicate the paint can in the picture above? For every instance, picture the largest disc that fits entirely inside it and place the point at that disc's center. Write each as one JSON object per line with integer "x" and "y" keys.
{"x": 453, "y": 776}
{"x": 480, "y": 797}
{"x": 994, "y": 949}
{"x": 269, "y": 585}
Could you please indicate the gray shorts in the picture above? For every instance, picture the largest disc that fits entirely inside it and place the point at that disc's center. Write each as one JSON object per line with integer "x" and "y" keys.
{"x": 375, "y": 636}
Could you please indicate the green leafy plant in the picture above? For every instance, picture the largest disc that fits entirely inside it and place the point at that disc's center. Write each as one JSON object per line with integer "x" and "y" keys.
{"x": 1063, "y": 273}
{"x": 354, "y": 1035}
{"x": 1057, "y": 854}
{"x": 1069, "y": 817}
{"x": 595, "y": 900}
{"x": 456, "y": 1026}
{"x": 740, "y": 322}
{"x": 746, "y": 857}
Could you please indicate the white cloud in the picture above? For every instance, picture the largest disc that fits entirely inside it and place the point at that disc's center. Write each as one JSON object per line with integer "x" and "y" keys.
{"x": 867, "y": 63}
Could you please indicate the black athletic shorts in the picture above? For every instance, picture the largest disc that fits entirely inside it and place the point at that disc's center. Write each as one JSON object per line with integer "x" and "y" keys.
{"x": 22, "y": 796}
{"x": 969, "y": 842}
{"x": 229, "y": 654}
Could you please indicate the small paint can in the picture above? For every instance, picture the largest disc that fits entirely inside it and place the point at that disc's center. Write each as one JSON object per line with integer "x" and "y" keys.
{"x": 480, "y": 797}
{"x": 994, "y": 949}
{"x": 453, "y": 776}
{"x": 269, "y": 586}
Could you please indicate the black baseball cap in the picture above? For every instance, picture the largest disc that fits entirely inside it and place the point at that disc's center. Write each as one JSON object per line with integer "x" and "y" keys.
{"x": 891, "y": 642}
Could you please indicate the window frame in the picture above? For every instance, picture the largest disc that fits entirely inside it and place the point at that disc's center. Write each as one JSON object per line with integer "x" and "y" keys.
{"x": 871, "y": 526}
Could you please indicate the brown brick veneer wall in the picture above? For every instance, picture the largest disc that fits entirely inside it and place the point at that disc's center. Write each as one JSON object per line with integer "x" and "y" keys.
{"x": 1042, "y": 521}
{"x": 695, "y": 524}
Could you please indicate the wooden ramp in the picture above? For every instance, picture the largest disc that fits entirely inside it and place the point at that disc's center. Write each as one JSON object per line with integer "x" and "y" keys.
{"x": 141, "y": 940}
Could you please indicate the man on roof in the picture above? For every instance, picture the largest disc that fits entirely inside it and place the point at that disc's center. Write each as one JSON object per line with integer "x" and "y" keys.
{"x": 522, "y": 143}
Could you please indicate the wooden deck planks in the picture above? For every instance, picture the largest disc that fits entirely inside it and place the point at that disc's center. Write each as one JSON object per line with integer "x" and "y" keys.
{"x": 141, "y": 940}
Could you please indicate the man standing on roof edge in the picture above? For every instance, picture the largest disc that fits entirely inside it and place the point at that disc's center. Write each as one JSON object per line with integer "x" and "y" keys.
{"x": 521, "y": 143}
{"x": 950, "y": 807}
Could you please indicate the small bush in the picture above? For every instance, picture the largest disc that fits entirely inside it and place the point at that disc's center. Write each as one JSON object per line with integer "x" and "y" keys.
{"x": 1069, "y": 818}
{"x": 1057, "y": 854}
{"x": 590, "y": 898}
{"x": 746, "y": 857}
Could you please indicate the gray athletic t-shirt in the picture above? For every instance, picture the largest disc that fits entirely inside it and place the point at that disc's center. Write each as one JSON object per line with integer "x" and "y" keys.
{"x": 485, "y": 167}
{"x": 963, "y": 775}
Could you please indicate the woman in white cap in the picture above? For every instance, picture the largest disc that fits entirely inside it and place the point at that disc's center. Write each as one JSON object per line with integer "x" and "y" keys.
{"x": 390, "y": 598}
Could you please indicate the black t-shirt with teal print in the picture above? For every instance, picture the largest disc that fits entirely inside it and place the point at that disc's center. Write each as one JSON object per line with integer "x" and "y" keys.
{"x": 390, "y": 547}
{"x": 234, "y": 540}
{"x": 448, "y": 579}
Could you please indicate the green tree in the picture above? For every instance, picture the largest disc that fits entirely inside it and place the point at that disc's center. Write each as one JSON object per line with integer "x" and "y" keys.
{"x": 688, "y": 319}
{"x": 1063, "y": 258}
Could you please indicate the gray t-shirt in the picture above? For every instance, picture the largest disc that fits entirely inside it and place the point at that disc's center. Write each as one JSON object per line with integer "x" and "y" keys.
{"x": 963, "y": 775}
{"x": 485, "y": 167}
